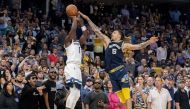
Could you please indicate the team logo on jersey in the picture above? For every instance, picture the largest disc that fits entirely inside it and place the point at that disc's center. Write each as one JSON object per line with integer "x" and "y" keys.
{"x": 114, "y": 45}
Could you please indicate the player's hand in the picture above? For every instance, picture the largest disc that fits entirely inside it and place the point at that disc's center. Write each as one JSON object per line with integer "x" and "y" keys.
{"x": 73, "y": 17}
{"x": 80, "y": 20}
{"x": 153, "y": 39}
{"x": 83, "y": 15}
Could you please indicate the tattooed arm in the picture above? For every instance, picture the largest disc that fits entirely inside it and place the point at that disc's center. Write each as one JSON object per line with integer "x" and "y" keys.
{"x": 128, "y": 46}
{"x": 97, "y": 31}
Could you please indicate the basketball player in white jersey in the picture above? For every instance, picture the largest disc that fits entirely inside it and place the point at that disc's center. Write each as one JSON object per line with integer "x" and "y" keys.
{"x": 74, "y": 56}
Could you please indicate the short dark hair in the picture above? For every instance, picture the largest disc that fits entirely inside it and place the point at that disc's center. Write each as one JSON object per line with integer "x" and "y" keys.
{"x": 121, "y": 33}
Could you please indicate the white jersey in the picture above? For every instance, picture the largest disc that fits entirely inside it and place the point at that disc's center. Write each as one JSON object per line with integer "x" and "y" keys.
{"x": 74, "y": 53}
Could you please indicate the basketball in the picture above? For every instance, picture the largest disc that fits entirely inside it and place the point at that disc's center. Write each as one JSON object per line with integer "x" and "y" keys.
{"x": 71, "y": 10}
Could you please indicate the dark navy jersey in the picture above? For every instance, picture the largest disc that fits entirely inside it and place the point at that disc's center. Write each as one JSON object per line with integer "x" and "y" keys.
{"x": 114, "y": 56}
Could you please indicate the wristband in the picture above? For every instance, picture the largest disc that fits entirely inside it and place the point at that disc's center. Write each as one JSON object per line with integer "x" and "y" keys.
{"x": 83, "y": 28}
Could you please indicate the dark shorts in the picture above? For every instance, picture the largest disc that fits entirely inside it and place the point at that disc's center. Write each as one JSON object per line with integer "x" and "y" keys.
{"x": 119, "y": 80}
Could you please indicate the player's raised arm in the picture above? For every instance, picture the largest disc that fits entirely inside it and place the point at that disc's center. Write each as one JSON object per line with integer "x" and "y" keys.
{"x": 72, "y": 33}
{"x": 84, "y": 36}
{"x": 96, "y": 30}
{"x": 128, "y": 46}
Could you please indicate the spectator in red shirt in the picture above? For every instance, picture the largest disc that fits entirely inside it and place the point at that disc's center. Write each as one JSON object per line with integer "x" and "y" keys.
{"x": 53, "y": 56}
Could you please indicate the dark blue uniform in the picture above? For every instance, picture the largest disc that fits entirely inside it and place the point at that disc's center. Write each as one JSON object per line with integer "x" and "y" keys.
{"x": 114, "y": 59}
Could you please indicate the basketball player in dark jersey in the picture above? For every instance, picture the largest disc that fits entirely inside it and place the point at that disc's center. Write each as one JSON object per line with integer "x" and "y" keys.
{"x": 114, "y": 56}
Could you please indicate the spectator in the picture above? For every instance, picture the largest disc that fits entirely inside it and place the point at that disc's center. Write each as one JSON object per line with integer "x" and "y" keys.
{"x": 61, "y": 95}
{"x": 8, "y": 99}
{"x": 49, "y": 94}
{"x": 161, "y": 53}
{"x": 181, "y": 97}
{"x": 87, "y": 88}
{"x": 53, "y": 57}
{"x": 30, "y": 93}
{"x": 170, "y": 80}
{"x": 19, "y": 84}
{"x": 159, "y": 97}
{"x": 187, "y": 86}
{"x": 140, "y": 94}
{"x": 96, "y": 99}
{"x": 114, "y": 102}
{"x": 150, "y": 84}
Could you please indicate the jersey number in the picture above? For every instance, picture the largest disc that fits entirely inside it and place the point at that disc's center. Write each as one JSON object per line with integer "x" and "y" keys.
{"x": 114, "y": 51}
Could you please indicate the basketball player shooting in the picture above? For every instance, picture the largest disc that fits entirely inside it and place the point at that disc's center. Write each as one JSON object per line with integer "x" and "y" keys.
{"x": 114, "y": 56}
{"x": 74, "y": 57}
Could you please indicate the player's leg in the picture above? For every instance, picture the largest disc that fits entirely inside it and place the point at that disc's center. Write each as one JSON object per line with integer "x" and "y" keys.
{"x": 121, "y": 97}
{"x": 72, "y": 98}
{"x": 127, "y": 97}
{"x": 125, "y": 90}
{"x": 117, "y": 89}
{"x": 74, "y": 93}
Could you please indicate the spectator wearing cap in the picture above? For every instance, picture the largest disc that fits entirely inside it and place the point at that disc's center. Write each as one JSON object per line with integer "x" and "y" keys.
{"x": 181, "y": 97}
{"x": 170, "y": 80}
{"x": 86, "y": 89}
{"x": 159, "y": 97}
{"x": 30, "y": 93}
{"x": 50, "y": 84}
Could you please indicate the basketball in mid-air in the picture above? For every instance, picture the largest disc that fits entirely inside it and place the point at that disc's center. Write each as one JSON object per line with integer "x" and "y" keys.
{"x": 71, "y": 10}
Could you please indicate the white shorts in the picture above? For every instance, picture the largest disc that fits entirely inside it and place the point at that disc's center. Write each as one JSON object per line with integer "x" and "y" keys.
{"x": 73, "y": 74}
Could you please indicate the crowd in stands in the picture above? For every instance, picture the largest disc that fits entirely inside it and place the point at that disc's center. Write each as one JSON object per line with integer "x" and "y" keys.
{"x": 32, "y": 57}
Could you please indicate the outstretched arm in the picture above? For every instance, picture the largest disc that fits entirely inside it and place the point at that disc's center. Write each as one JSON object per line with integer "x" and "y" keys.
{"x": 84, "y": 36}
{"x": 105, "y": 38}
{"x": 128, "y": 46}
{"x": 72, "y": 33}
